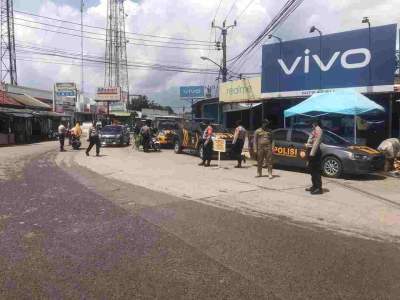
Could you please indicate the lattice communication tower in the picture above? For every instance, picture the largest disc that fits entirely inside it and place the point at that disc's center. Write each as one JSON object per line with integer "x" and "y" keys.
{"x": 116, "y": 66}
{"x": 8, "y": 68}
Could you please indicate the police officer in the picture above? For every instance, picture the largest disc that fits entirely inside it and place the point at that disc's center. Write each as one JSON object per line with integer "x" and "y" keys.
{"x": 314, "y": 157}
{"x": 263, "y": 148}
{"x": 94, "y": 139}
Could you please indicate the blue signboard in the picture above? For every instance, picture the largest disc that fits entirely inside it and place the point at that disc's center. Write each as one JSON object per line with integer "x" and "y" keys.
{"x": 192, "y": 92}
{"x": 66, "y": 94}
{"x": 362, "y": 59}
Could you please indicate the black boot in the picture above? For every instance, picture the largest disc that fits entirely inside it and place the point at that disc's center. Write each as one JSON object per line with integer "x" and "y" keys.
{"x": 310, "y": 189}
{"x": 202, "y": 163}
{"x": 317, "y": 191}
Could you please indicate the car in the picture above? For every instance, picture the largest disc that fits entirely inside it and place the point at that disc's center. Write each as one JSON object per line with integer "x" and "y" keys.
{"x": 189, "y": 137}
{"x": 166, "y": 131}
{"x": 114, "y": 135}
{"x": 339, "y": 156}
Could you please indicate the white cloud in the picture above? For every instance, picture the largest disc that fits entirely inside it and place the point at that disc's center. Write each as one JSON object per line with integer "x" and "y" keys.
{"x": 188, "y": 19}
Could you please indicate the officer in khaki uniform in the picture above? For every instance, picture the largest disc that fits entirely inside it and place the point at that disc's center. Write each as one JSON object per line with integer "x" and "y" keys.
{"x": 263, "y": 148}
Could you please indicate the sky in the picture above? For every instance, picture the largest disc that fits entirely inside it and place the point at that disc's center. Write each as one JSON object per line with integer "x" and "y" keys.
{"x": 188, "y": 19}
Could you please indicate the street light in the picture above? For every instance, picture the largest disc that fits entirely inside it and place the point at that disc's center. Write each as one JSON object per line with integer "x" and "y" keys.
{"x": 366, "y": 20}
{"x": 209, "y": 59}
{"x": 280, "y": 56}
{"x": 312, "y": 30}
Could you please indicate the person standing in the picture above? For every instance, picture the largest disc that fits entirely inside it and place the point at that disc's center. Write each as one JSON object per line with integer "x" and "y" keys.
{"x": 207, "y": 146}
{"x": 145, "y": 133}
{"x": 94, "y": 139}
{"x": 263, "y": 148}
{"x": 238, "y": 143}
{"x": 314, "y": 158}
{"x": 61, "y": 136}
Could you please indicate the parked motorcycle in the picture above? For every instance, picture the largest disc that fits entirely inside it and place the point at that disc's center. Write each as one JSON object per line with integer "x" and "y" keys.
{"x": 76, "y": 142}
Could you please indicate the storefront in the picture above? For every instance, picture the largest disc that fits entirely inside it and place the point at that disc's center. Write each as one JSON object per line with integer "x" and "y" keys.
{"x": 362, "y": 60}
{"x": 240, "y": 100}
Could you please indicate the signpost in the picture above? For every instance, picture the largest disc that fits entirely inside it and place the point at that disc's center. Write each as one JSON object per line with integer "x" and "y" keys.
{"x": 191, "y": 93}
{"x": 109, "y": 95}
{"x": 219, "y": 145}
{"x": 64, "y": 98}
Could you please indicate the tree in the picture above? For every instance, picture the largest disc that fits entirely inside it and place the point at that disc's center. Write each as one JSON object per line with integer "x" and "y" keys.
{"x": 142, "y": 101}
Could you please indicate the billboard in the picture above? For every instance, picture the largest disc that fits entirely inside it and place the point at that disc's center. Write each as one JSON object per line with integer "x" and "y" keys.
{"x": 361, "y": 59}
{"x": 65, "y": 95}
{"x": 108, "y": 94}
{"x": 248, "y": 89}
{"x": 192, "y": 92}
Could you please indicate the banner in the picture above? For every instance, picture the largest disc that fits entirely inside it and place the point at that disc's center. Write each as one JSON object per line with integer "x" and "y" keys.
{"x": 248, "y": 89}
{"x": 360, "y": 59}
{"x": 65, "y": 95}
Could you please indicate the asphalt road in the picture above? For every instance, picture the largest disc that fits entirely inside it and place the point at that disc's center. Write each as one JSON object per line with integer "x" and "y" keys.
{"x": 67, "y": 233}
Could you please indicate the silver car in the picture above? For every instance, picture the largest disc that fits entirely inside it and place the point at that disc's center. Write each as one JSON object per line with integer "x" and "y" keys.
{"x": 339, "y": 156}
{"x": 117, "y": 135}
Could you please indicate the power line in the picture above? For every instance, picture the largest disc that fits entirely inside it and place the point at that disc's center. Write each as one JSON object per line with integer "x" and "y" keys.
{"x": 230, "y": 11}
{"x": 98, "y": 27}
{"x": 102, "y": 39}
{"x": 245, "y": 9}
{"x": 103, "y": 34}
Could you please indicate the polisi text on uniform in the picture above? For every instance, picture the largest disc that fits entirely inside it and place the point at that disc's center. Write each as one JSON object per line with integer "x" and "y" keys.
{"x": 344, "y": 61}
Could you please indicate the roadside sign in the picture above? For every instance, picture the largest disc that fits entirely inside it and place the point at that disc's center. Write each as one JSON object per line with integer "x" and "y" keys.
{"x": 192, "y": 92}
{"x": 108, "y": 94}
{"x": 219, "y": 145}
{"x": 65, "y": 96}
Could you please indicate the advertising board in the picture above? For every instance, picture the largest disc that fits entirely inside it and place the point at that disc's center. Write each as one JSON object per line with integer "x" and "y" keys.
{"x": 108, "y": 94}
{"x": 247, "y": 89}
{"x": 191, "y": 92}
{"x": 65, "y": 95}
{"x": 360, "y": 59}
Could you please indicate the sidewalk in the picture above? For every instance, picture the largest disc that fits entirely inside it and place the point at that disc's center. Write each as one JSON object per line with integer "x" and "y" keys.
{"x": 369, "y": 208}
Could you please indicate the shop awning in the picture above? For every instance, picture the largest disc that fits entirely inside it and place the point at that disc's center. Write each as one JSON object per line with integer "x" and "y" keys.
{"x": 346, "y": 102}
{"x": 239, "y": 106}
{"x": 48, "y": 114}
{"x": 19, "y": 113}
{"x": 6, "y": 100}
{"x": 28, "y": 101}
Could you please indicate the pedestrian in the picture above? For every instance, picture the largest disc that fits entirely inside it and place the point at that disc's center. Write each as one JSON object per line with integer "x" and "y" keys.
{"x": 145, "y": 133}
{"x": 263, "y": 148}
{"x": 94, "y": 139}
{"x": 61, "y": 136}
{"x": 391, "y": 149}
{"x": 207, "y": 146}
{"x": 314, "y": 157}
{"x": 238, "y": 143}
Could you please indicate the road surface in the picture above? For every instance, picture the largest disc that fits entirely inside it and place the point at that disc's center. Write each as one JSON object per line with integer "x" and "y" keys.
{"x": 67, "y": 232}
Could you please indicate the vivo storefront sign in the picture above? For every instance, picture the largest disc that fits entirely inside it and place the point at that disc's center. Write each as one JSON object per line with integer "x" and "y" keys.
{"x": 360, "y": 59}
{"x": 191, "y": 92}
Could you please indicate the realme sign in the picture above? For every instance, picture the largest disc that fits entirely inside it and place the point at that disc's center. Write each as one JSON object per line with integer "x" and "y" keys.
{"x": 248, "y": 89}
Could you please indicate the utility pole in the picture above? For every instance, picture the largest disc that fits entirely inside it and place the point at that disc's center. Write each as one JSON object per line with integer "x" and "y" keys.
{"x": 82, "y": 70}
{"x": 8, "y": 64}
{"x": 224, "y": 31}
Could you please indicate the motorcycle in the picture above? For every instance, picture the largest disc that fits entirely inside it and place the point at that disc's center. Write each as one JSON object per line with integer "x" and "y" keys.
{"x": 76, "y": 142}
{"x": 154, "y": 144}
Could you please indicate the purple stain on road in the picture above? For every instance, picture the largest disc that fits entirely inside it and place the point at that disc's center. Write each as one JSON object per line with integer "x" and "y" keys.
{"x": 76, "y": 231}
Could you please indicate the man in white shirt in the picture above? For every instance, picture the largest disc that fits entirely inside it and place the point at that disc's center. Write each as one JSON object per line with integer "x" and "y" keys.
{"x": 61, "y": 136}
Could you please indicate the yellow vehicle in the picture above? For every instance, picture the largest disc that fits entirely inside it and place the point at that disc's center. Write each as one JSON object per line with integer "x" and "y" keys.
{"x": 167, "y": 128}
{"x": 189, "y": 137}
